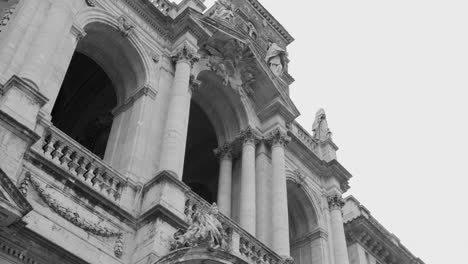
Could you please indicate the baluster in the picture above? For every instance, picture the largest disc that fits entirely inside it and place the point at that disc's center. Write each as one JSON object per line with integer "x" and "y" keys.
{"x": 57, "y": 153}
{"x": 65, "y": 159}
{"x": 49, "y": 146}
{"x": 73, "y": 165}
{"x": 89, "y": 175}
{"x": 81, "y": 169}
{"x": 118, "y": 190}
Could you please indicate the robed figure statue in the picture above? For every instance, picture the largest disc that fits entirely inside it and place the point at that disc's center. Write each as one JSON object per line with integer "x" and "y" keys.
{"x": 276, "y": 58}
{"x": 320, "y": 128}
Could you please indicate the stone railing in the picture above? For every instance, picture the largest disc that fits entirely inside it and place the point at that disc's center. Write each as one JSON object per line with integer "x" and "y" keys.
{"x": 80, "y": 163}
{"x": 303, "y": 136}
{"x": 241, "y": 243}
{"x": 162, "y": 5}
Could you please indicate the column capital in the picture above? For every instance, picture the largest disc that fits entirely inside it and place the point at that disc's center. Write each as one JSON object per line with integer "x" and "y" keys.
{"x": 278, "y": 138}
{"x": 186, "y": 55}
{"x": 335, "y": 202}
{"x": 248, "y": 136}
{"x": 224, "y": 151}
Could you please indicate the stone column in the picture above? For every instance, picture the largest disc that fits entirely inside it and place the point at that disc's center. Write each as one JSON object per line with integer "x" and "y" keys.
{"x": 175, "y": 133}
{"x": 262, "y": 173}
{"x": 225, "y": 178}
{"x": 17, "y": 29}
{"x": 280, "y": 221}
{"x": 58, "y": 19}
{"x": 247, "y": 210}
{"x": 335, "y": 203}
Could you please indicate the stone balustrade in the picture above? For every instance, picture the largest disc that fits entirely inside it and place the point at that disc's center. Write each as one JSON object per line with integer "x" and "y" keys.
{"x": 303, "y": 136}
{"x": 80, "y": 163}
{"x": 241, "y": 243}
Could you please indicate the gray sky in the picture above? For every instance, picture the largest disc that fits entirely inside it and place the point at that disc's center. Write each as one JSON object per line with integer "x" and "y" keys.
{"x": 392, "y": 77}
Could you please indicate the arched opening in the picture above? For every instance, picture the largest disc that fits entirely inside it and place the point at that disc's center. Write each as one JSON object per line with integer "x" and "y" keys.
{"x": 201, "y": 168}
{"x": 84, "y": 104}
{"x": 302, "y": 222}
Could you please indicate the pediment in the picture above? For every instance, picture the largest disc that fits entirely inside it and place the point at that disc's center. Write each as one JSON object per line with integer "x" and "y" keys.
{"x": 13, "y": 205}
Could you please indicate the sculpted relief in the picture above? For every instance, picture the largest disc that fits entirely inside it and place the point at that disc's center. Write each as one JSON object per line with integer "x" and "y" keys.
{"x": 205, "y": 230}
{"x": 276, "y": 58}
{"x": 233, "y": 61}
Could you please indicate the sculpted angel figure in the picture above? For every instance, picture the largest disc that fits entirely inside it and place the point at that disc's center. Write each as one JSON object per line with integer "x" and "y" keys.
{"x": 276, "y": 58}
{"x": 320, "y": 128}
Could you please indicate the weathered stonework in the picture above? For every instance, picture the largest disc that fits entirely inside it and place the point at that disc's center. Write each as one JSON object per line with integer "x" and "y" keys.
{"x": 120, "y": 120}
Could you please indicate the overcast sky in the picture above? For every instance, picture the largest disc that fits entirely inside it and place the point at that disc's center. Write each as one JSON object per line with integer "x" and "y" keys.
{"x": 392, "y": 77}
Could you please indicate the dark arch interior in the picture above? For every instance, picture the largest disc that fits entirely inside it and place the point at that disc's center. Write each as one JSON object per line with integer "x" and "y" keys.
{"x": 201, "y": 167}
{"x": 84, "y": 104}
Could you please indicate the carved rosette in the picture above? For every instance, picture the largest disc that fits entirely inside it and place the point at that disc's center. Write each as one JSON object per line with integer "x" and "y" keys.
{"x": 277, "y": 138}
{"x": 224, "y": 152}
{"x": 248, "y": 136}
{"x": 335, "y": 202}
{"x": 185, "y": 55}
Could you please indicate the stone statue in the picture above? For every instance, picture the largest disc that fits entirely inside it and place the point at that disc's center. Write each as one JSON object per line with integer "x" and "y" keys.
{"x": 204, "y": 230}
{"x": 224, "y": 11}
{"x": 251, "y": 30}
{"x": 320, "y": 128}
{"x": 276, "y": 58}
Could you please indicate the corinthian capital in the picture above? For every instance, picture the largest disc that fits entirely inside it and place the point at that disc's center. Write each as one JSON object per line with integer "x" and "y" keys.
{"x": 278, "y": 138}
{"x": 248, "y": 136}
{"x": 185, "y": 55}
{"x": 224, "y": 152}
{"x": 335, "y": 202}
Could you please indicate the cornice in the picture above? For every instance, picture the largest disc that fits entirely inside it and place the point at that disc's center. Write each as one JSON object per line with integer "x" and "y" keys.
{"x": 367, "y": 228}
{"x": 271, "y": 20}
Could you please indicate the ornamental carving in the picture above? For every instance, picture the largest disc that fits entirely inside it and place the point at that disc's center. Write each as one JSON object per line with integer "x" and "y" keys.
{"x": 335, "y": 202}
{"x": 6, "y": 16}
{"x": 194, "y": 84}
{"x": 125, "y": 26}
{"x": 224, "y": 152}
{"x": 277, "y": 59}
{"x": 278, "y": 138}
{"x": 233, "y": 61}
{"x": 77, "y": 220}
{"x": 91, "y": 3}
{"x": 186, "y": 55}
{"x": 223, "y": 11}
{"x": 248, "y": 136}
{"x": 205, "y": 230}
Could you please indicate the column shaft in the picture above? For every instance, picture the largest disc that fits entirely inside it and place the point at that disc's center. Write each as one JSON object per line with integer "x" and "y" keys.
{"x": 279, "y": 200}
{"x": 58, "y": 19}
{"x": 338, "y": 234}
{"x": 175, "y": 133}
{"x": 247, "y": 190}
{"x": 262, "y": 173}
{"x": 225, "y": 183}
{"x": 17, "y": 28}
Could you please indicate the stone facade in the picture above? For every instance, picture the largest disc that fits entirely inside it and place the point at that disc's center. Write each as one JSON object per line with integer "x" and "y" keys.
{"x": 123, "y": 121}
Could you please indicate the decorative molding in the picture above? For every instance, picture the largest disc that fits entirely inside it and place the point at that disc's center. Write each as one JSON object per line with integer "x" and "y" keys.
{"x": 20, "y": 255}
{"x": 78, "y": 32}
{"x": 77, "y": 220}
